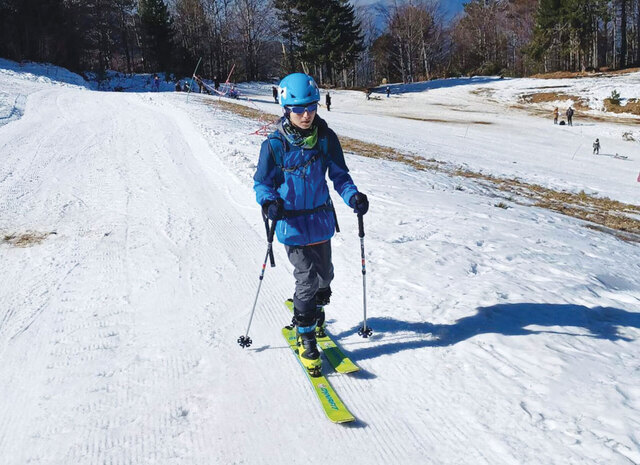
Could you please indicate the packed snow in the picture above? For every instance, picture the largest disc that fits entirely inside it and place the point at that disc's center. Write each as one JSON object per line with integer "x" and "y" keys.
{"x": 131, "y": 247}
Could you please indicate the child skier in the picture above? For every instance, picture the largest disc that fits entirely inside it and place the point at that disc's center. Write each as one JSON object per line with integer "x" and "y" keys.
{"x": 596, "y": 147}
{"x": 291, "y": 187}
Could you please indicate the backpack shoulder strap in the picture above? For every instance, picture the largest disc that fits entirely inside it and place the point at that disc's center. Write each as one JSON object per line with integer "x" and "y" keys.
{"x": 276, "y": 148}
{"x": 324, "y": 146}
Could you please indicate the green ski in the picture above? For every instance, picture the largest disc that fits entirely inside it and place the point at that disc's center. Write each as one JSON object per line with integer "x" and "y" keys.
{"x": 337, "y": 358}
{"x": 331, "y": 403}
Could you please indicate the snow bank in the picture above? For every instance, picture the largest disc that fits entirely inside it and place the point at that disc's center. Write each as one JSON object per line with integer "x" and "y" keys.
{"x": 21, "y": 79}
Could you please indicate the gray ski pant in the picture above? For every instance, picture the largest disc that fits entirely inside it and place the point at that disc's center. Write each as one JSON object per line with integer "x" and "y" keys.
{"x": 313, "y": 270}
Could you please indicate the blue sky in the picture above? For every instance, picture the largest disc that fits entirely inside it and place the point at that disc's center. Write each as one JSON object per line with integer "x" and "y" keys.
{"x": 450, "y": 6}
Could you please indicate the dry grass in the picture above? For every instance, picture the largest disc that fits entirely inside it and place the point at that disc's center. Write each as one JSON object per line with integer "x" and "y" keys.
{"x": 632, "y": 106}
{"x": 565, "y": 75}
{"x": 485, "y": 92}
{"x": 606, "y": 215}
{"x": 367, "y": 149}
{"x": 26, "y": 239}
{"x": 542, "y": 97}
{"x": 579, "y": 74}
{"x": 581, "y": 116}
{"x": 439, "y": 120}
{"x": 241, "y": 110}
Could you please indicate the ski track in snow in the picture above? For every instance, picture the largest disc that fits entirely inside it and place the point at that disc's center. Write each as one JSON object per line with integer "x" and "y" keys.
{"x": 501, "y": 336}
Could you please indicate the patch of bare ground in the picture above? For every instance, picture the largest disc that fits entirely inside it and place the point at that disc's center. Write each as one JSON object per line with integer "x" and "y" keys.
{"x": 241, "y": 110}
{"x": 542, "y": 97}
{"x": 26, "y": 239}
{"x": 367, "y": 149}
{"x": 483, "y": 91}
{"x": 460, "y": 109}
{"x": 581, "y": 74}
{"x": 546, "y": 87}
{"x": 439, "y": 120}
{"x": 632, "y": 106}
{"x": 603, "y": 214}
{"x": 610, "y": 214}
{"x": 578, "y": 115}
{"x": 486, "y": 93}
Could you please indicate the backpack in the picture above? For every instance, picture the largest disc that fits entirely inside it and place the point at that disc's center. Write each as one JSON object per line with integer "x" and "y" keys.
{"x": 277, "y": 148}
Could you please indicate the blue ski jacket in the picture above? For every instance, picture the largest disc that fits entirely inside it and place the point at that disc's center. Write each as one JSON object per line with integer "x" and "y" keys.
{"x": 298, "y": 176}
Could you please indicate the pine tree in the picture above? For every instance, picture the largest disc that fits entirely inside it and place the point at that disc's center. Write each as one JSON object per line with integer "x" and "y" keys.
{"x": 315, "y": 45}
{"x": 158, "y": 32}
{"x": 548, "y": 29}
{"x": 38, "y": 30}
{"x": 289, "y": 19}
{"x": 324, "y": 36}
{"x": 342, "y": 36}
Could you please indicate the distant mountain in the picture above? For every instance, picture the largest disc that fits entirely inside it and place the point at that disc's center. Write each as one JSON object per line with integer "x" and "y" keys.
{"x": 451, "y": 7}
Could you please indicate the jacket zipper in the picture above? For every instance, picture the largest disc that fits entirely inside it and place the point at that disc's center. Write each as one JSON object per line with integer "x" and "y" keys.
{"x": 304, "y": 181}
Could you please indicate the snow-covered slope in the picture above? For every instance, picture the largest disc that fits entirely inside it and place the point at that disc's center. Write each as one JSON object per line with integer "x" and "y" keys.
{"x": 459, "y": 121}
{"x": 502, "y": 336}
{"x": 17, "y": 81}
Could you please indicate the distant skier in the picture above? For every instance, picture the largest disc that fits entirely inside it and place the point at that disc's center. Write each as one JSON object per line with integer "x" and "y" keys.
{"x": 216, "y": 83}
{"x": 178, "y": 87}
{"x": 556, "y": 113}
{"x": 156, "y": 83}
{"x": 327, "y": 101}
{"x": 368, "y": 94}
{"x": 388, "y": 91}
{"x": 274, "y": 91}
{"x": 570, "y": 116}
{"x": 199, "y": 84}
{"x": 291, "y": 187}
{"x": 596, "y": 147}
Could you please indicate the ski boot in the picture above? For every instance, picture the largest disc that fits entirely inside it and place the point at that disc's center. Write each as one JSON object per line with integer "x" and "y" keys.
{"x": 308, "y": 351}
{"x": 322, "y": 298}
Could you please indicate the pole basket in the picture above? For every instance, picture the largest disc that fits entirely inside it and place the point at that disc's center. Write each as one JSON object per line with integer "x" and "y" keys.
{"x": 244, "y": 341}
{"x": 365, "y": 332}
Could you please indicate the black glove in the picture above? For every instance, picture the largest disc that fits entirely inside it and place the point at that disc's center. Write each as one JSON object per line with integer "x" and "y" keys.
{"x": 273, "y": 209}
{"x": 359, "y": 203}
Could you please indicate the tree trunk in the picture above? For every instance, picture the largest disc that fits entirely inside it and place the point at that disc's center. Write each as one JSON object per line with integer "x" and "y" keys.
{"x": 623, "y": 33}
{"x": 125, "y": 38}
{"x": 638, "y": 32}
{"x": 614, "y": 32}
{"x": 594, "y": 44}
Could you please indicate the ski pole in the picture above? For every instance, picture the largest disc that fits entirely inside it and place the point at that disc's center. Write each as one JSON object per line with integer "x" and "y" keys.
{"x": 245, "y": 340}
{"x": 364, "y": 331}
{"x": 266, "y": 227}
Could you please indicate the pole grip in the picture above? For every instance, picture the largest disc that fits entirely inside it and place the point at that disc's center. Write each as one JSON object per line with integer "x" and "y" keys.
{"x": 360, "y": 226}
{"x": 272, "y": 260}
{"x": 272, "y": 230}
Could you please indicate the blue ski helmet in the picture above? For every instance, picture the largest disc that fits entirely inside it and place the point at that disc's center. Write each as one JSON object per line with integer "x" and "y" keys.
{"x": 298, "y": 89}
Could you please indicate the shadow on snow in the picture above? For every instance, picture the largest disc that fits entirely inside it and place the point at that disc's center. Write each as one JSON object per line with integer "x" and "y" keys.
{"x": 435, "y": 84}
{"x": 506, "y": 319}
